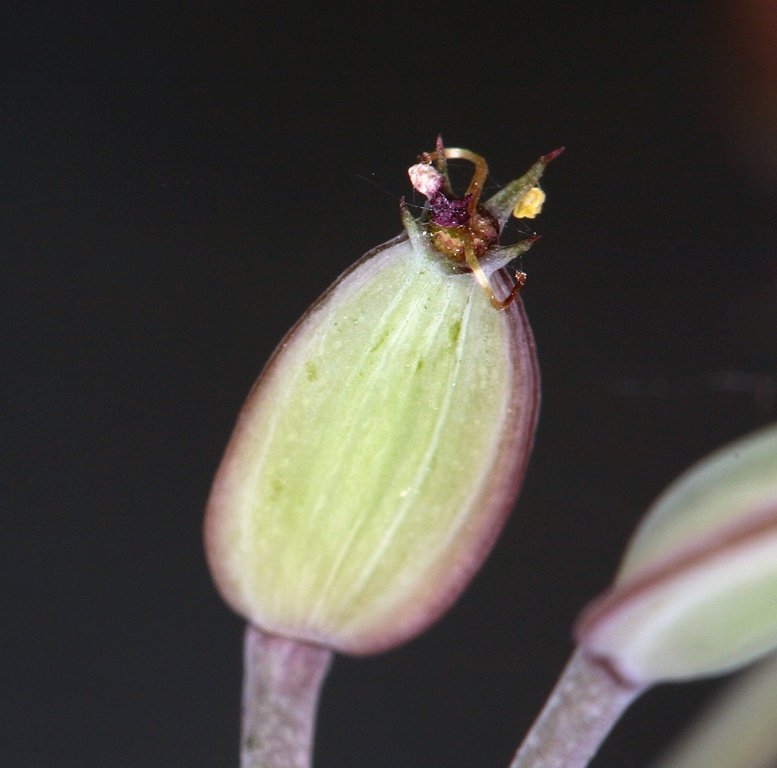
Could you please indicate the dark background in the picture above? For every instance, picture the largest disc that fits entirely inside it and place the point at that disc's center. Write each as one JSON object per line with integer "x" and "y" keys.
{"x": 180, "y": 182}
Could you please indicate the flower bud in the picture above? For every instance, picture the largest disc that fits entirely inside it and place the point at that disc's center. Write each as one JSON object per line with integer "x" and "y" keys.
{"x": 736, "y": 730}
{"x": 381, "y": 449}
{"x": 696, "y": 593}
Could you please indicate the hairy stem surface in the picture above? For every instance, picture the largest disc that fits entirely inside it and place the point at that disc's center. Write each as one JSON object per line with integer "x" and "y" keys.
{"x": 282, "y": 681}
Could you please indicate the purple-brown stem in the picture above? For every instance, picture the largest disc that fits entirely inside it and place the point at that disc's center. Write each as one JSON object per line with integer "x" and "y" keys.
{"x": 582, "y": 709}
{"x": 282, "y": 681}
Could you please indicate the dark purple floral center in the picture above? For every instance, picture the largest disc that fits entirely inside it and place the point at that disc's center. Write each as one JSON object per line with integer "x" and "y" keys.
{"x": 449, "y": 213}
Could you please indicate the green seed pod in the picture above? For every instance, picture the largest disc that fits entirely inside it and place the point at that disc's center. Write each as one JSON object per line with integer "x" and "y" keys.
{"x": 696, "y": 593}
{"x": 382, "y": 447}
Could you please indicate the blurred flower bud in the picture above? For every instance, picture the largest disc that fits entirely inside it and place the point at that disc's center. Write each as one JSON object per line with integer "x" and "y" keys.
{"x": 696, "y": 593}
{"x": 736, "y": 730}
{"x": 381, "y": 450}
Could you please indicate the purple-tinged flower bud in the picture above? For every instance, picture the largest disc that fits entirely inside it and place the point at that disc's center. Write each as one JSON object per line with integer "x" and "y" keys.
{"x": 696, "y": 593}
{"x": 381, "y": 449}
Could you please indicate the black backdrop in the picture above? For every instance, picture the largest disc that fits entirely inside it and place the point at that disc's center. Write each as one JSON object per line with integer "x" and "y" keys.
{"x": 179, "y": 182}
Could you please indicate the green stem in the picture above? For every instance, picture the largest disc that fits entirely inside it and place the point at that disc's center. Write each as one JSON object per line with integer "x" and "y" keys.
{"x": 582, "y": 709}
{"x": 282, "y": 681}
